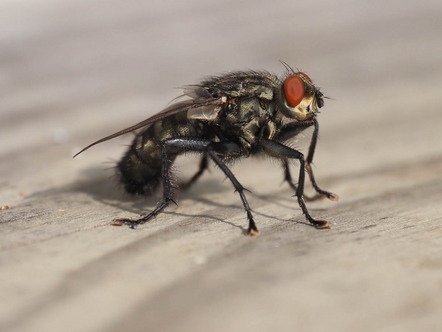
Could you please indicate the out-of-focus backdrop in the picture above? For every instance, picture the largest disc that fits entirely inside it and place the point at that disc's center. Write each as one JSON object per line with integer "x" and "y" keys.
{"x": 74, "y": 71}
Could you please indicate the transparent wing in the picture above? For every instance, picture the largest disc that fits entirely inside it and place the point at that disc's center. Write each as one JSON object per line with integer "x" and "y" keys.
{"x": 200, "y": 109}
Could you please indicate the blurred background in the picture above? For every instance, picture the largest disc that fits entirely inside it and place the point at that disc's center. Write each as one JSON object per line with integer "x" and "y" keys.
{"x": 74, "y": 71}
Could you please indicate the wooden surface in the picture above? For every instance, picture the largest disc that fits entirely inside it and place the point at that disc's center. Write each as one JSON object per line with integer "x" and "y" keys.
{"x": 74, "y": 71}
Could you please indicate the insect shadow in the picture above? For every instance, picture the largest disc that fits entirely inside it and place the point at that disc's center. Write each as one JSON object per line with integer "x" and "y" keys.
{"x": 101, "y": 186}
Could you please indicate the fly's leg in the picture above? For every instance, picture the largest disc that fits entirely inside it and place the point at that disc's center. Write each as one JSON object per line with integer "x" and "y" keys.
{"x": 252, "y": 229}
{"x": 278, "y": 150}
{"x": 202, "y": 167}
{"x": 167, "y": 190}
{"x": 288, "y": 178}
{"x": 291, "y": 130}
{"x": 309, "y": 160}
{"x": 209, "y": 148}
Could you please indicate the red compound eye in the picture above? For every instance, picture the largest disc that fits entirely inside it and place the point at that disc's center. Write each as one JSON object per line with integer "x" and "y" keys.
{"x": 293, "y": 90}
{"x": 306, "y": 76}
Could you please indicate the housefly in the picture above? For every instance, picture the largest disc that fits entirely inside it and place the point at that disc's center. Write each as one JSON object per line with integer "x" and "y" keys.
{"x": 224, "y": 118}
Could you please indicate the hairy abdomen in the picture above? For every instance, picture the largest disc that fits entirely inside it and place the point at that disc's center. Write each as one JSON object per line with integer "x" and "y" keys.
{"x": 140, "y": 167}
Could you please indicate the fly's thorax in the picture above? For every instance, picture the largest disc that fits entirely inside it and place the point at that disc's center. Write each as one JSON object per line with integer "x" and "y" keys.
{"x": 247, "y": 121}
{"x": 298, "y": 98}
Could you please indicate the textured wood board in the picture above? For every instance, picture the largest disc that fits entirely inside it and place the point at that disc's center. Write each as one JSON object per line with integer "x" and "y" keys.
{"x": 72, "y": 72}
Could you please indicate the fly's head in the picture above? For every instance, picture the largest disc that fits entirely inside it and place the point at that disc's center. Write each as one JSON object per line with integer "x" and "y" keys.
{"x": 299, "y": 98}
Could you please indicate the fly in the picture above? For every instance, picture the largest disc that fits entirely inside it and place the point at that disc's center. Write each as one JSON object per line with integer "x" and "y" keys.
{"x": 225, "y": 118}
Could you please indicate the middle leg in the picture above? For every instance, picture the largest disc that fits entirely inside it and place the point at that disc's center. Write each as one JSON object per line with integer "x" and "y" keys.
{"x": 202, "y": 167}
{"x": 288, "y": 178}
{"x": 279, "y": 150}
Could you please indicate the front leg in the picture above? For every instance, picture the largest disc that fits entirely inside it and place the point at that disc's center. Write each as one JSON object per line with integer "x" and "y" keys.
{"x": 279, "y": 150}
{"x": 309, "y": 160}
{"x": 291, "y": 130}
{"x": 288, "y": 178}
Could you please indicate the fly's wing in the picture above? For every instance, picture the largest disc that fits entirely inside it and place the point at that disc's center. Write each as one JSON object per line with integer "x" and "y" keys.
{"x": 209, "y": 97}
{"x": 197, "y": 109}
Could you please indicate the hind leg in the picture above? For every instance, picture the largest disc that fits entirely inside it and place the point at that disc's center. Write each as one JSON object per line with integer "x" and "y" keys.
{"x": 208, "y": 148}
{"x": 167, "y": 190}
{"x": 202, "y": 167}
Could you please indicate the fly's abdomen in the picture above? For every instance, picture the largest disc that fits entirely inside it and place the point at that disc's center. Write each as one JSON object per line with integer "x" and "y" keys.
{"x": 141, "y": 175}
{"x": 140, "y": 167}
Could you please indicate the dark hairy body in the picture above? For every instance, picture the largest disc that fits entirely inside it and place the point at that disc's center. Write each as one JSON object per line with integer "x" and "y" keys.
{"x": 226, "y": 117}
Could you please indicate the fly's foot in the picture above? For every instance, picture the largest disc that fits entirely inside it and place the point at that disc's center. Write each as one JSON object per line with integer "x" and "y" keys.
{"x": 134, "y": 223}
{"x": 322, "y": 195}
{"x": 252, "y": 230}
{"x": 332, "y": 197}
{"x": 321, "y": 224}
{"x": 124, "y": 221}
